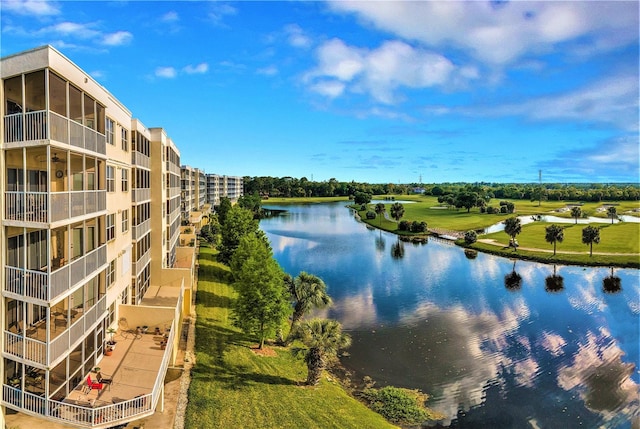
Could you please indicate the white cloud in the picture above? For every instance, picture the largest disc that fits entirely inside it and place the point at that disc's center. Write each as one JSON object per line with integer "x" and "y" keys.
{"x": 501, "y": 34}
{"x": 171, "y": 16}
{"x": 199, "y": 69}
{"x": 74, "y": 29}
{"x": 219, "y": 11}
{"x": 30, "y": 7}
{"x": 118, "y": 38}
{"x": 330, "y": 88}
{"x": 296, "y": 36}
{"x": 166, "y": 72}
{"x": 381, "y": 71}
{"x": 268, "y": 71}
{"x": 613, "y": 100}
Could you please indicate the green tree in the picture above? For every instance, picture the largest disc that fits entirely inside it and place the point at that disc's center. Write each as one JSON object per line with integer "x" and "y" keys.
{"x": 470, "y": 237}
{"x": 554, "y": 234}
{"x": 223, "y": 209}
{"x": 576, "y": 212}
{"x": 397, "y": 211}
{"x": 380, "y": 210}
{"x": 466, "y": 199}
{"x": 262, "y": 303}
{"x": 590, "y": 235}
{"x": 323, "y": 339}
{"x": 513, "y": 227}
{"x": 361, "y": 198}
{"x": 253, "y": 203}
{"x": 239, "y": 222}
{"x": 307, "y": 291}
{"x": 612, "y": 213}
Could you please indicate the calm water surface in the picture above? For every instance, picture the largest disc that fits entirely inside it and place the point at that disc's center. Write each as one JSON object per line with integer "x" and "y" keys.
{"x": 491, "y": 353}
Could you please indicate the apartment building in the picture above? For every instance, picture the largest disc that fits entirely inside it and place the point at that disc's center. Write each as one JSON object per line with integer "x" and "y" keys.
{"x": 90, "y": 257}
{"x": 219, "y": 186}
{"x": 188, "y": 192}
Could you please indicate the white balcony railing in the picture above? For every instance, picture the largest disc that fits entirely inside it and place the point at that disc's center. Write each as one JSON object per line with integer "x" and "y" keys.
{"x": 139, "y": 265}
{"x": 91, "y": 417}
{"x": 42, "y": 125}
{"x": 140, "y": 160}
{"x": 34, "y": 206}
{"x": 40, "y": 352}
{"x": 140, "y": 195}
{"x": 47, "y": 286}
{"x": 139, "y": 231}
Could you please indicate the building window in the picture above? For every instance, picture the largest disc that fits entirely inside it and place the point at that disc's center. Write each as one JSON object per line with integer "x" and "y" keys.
{"x": 111, "y": 227}
{"x": 111, "y": 178}
{"x": 125, "y": 180}
{"x": 109, "y": 131}
{"x": 125, "y": 220}
{"x": 125, "y": 296}
{"x": 111, "y": 273}
{"x": 124, "y": 138}
{"x": 111, "y": 317}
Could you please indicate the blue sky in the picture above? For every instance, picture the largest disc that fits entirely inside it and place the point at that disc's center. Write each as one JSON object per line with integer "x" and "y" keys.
{"x": 366, "y": 91}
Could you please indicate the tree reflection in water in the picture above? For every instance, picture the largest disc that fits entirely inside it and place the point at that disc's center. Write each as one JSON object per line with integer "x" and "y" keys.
{"x": 611, "y": 284}
{"x": 380, "y": 244}
{"x": 470, "y": 253}
{"x": 397, "y": 250}
{"x": 554, "y": 282}
{"x": 513, "y": 280}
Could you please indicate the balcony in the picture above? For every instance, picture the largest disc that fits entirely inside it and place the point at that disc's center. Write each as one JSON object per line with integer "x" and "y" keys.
{"x": 139, "y": 265}
{"x": 45, "y": 285}
{"x": 139, "y": 195}
{"x": 137, "y": 369}
{"x": 34, "y": 206}
{"x": 139, "y": 231}
{"x": 43, "y": 125}
{"x": 140, "y": 160}
{"x": 32, "y": 345}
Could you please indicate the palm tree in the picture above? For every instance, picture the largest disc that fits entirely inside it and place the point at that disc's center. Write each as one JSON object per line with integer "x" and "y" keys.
{"x": 323, "y": 339}
{"x": 307, "y": 291}
{"x": 380, "y": 209}
{"x": 397, "y": 211}
{"x": 513, "y": 227}
{"x": 576, "y": 212}
{"x": 611, "y": 212}
{"x": 554, "y": 234}
{"x": 591, "y": 235}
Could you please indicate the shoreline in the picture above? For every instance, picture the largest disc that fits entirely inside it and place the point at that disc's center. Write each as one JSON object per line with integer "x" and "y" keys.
{"x": 498, "y": 249}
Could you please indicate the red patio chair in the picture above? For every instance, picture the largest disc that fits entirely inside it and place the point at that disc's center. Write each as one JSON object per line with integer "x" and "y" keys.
{"x": 94, "y": 384}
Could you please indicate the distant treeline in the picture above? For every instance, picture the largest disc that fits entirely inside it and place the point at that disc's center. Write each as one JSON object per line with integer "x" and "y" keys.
{"x": 292, "y": 187}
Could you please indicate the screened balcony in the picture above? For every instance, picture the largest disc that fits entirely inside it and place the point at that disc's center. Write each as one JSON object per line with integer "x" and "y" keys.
{"x": 43, "y": 264}
{"x": 45, "y": 185}
{"x": 137, "y": 369}
{"x": 42, "y": 106}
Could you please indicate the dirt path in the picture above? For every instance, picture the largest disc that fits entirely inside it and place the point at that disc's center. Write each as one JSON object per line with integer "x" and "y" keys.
{"x": 493, "y": 242}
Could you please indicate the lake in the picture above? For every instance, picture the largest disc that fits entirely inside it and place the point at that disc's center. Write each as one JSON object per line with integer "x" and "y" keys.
{"x": 546, "y": 347}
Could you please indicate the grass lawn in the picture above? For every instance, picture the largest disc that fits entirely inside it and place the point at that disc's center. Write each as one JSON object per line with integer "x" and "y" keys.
{"x": 232, "y": 387}
{"x": 616, "y": 238}
{"x": 621, "y": 238}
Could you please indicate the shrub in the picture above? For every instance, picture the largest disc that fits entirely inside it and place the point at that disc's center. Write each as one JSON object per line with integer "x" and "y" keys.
{"x": 371, "y": 215}
{"x": 418, "y": 226}
{"x": 492, "y": 210}
{"x": 470, "y": 237}
{"x": 503, "y": 209}
{"x": 404, "y": 225}
{"x": 398, "y": 405}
